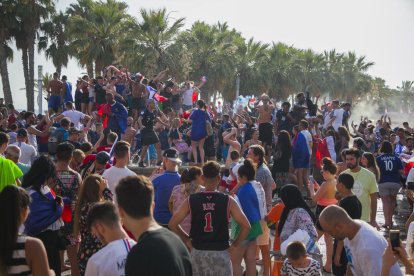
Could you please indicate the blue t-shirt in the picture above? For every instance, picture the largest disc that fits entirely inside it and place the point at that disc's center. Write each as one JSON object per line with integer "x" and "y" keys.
{"x": 390, "y": 166}
{"x": 163, "y": 186}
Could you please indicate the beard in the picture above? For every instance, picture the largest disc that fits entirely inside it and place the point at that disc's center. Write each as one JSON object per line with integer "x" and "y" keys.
{"x": 351, "y": 166}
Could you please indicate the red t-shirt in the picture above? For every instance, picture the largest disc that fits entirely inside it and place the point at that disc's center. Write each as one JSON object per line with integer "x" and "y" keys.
{"x": 106, "y": 148}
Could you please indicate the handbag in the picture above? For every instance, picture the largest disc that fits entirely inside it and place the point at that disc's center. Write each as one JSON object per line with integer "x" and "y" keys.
{"x": 209, "y": 127}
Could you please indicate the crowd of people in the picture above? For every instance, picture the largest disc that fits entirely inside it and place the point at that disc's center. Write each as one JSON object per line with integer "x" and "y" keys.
{"x": 269, "y": 170}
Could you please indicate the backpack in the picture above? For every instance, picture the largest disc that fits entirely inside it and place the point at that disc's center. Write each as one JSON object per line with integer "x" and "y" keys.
{"x": 55, "y": 138}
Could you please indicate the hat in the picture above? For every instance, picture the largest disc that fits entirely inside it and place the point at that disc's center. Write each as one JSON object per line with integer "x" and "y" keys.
{"x": 64, "y": 77}
{"x": 74, "y": 130}
{"x": 102, "y": 157}
{"x": 22, "y": 132}
{"x": 172, "y": 155}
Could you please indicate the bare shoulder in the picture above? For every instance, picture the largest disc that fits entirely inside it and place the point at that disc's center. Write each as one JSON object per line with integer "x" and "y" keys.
{"x": 34, "y": 245}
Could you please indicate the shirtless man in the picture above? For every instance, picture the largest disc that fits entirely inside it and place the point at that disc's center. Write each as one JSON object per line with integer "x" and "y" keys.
{"x": 265, "y": 123}
{"x": 56, "y": 92}
{"x": 229, "y": 137}
{"x": 130, "y": 132}
{"x": 138, "y": 95}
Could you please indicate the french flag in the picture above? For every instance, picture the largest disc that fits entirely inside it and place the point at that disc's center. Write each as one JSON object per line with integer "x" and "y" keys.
{"x": 155, "y": 95}
{"x": 300, "y": 151}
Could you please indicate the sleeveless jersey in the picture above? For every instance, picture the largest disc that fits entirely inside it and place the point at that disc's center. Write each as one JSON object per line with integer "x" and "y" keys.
{"x": 209, "y": 221}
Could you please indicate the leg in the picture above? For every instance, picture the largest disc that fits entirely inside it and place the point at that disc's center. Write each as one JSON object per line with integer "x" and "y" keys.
{"x": 194, "y": 149}
{"x": 393, "y": 204}
{"x": 299, "y": 176}
{"x": 143, "y": 153}
{"x": 266, "y": 259}
{"x": 90, "y": 109}
{"x": 50, "y": 241}
{"x": 385, "y": 207}
{"x": 250, "y": 259}
{"x": 201, "y": 149}
{"x": 236, "y": 259}
{"x": 72, "y": 255}
{"x": 158, "y": 149}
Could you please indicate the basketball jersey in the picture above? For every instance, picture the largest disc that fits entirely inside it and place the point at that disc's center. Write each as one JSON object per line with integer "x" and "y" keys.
{"x": 209, "y": 221}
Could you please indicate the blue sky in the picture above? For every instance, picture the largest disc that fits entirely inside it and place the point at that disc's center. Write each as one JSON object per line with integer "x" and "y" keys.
{"x": 382, "y": 30}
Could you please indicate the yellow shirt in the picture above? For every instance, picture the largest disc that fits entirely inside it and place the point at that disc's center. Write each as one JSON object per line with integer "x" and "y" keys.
{"x": 9, "y": 172}
{"x": 365, "y": 184}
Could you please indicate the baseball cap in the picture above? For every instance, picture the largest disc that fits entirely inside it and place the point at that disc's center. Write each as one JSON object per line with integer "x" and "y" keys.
{"x": 73, "y": 130}
{"x": 172, "y": 155}
{"x": 22, "y": 132}
{"x": 102, "y": 157}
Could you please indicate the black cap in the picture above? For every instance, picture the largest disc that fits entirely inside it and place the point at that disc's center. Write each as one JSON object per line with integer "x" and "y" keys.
{"x": 22, "y": 132}
{"x": 173, "y": 155}
{"x": 73, "y": 130}
{"x": 102, "y": 157}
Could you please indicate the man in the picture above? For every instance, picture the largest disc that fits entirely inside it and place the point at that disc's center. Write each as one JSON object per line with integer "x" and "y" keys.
{"x": 100, "y": 92}
{"x": 301, "y": 154}
{"x": 74, "y": 136}
{"x": 68, "y": 90}
{"x": 117, "y": 118}
{"x": 400, "y": 141}
{"x": 265, "y": 122}
{"x": 27, "y": 152}
{"x": 158, "y": 250}
{"x": 337, "y": 115}
{"x": 32, "y": 130}
{"x": 187, "y": 95}
{"x": 130, "y": 132}
{"x": 13, "y": 153}
{"x": 283, "y": 118}
{"x": 95, "y": 164}
{"x": 364, "y": 245}
{"x": 111, "y": 138}
{"x": 299, "y": 109}
{"x": 10, "y": 172}
{"x": 347, "y": 114}
{"x": 120, "y": 170}
{"x": 56, "y": 92}
{"x": 405, "y": 125}
{"x": 104, "y": 222}
{"x": 209, "y": 235}
{"x": 223, "y": 148}
{"x": 263, "y": 175}
{"x": 164, "y": 184}
{"x": 146, "y": 122}
{"x": 365, "y": 186}
{"x": 76, "y": 117}
{"x": 66, "y": 184}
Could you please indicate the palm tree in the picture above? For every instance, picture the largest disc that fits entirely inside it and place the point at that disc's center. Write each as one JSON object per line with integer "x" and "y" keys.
{"x": 406, "y": 95}
{"x": 95, "y": 37}
{"x": 31, "y": 14}
{"x": 9, "y": 23}
{"x": 55, "y": 33}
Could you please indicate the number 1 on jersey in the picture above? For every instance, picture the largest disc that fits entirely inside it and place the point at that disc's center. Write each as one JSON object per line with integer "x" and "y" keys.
{"x": 208, "y": 226}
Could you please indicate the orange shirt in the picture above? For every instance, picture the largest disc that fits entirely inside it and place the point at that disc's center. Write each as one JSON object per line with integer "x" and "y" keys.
{"x": 274, "y": 217}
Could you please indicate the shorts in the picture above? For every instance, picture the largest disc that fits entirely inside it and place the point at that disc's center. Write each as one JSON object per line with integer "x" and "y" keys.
{"x": 54, "y": 102}
{"x": 266, "y": 133}
{"x": 263, "y": 239}
{"x": 149, "y": 137}
{"x": 318, "y": 210}
{"x": 208, "y": 262}
{"x": 389, "y": 188}
{"x": 85, "y": 98}
{"x": 137, "y": 103}
{"x": 91, "y": 99}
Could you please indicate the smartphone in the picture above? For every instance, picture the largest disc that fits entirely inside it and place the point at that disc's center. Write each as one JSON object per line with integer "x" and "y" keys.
{"x": 311, "y": 179}
{"x": 410, "y": 186}
{"x": 395, "y": 238}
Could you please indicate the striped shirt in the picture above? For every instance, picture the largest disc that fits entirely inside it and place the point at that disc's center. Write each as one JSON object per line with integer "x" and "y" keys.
{"x": 18, "y": 264}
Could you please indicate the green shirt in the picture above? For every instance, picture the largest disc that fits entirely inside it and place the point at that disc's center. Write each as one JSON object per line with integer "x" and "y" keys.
{"x": 9, "y": 172}
{"x": 365, "y": 184}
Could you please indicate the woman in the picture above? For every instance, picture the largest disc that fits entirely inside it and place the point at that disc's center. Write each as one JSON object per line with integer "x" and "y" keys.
{"x": 368, "y": 162}
{"x": 281, "y": 159}
{"x": 19, "y": 254}
{"x": 389, "y": 183}
{"x": 296, "y": 214}
{"x": 342, "y": 142}
{"x": 93, "y": 189}
{"x": 253, "y": 141}
{"x": 249, "y": 202}
{"x": 341, "y": 165}
{"x": 190, "y": 184}
{"x": 44, "y": 220}
{"x": 324, "y": 197}
{"x": 199, "y": 118}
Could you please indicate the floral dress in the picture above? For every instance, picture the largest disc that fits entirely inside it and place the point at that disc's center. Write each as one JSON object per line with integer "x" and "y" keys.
{"x": 298, "y": 218}
{"x": 89, "y": 244}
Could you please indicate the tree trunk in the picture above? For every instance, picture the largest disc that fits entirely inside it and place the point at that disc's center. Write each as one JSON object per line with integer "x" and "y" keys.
{"x": 31, "y": 50}
{"x": 25, "y": 61}
{"x": 89, "y": 69}
{"x": 5, "y": 75}
{"x": 59, "y": 70}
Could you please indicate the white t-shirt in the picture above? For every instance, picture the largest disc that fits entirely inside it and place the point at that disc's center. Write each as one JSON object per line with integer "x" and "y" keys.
{"x": 339, "y": 116}
{"x": 410, "y": 240}
{"x": 114, "y": 174}
{"x": 309, "y": 140}
{"x": 364, "y": 252}
{"x": 188, "y": 97}
{"x": 75, "y": 117}
{"x": 28, "y": 153}
{"x": 410, "y": 176}
{"x": 110, "y": 260}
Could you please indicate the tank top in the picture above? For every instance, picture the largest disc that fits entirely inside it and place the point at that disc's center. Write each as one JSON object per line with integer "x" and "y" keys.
{"x": 18, "y": 264}
{"x": 209, "y": 221}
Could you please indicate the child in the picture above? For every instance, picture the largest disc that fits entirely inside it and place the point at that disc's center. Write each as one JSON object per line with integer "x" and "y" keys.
{"x": 176, "y": 140}
{"x": 231, "y": 182}
{"x": 298, "y": 262}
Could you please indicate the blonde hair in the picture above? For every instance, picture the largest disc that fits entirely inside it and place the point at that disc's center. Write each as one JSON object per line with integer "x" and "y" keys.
{"x": 78, "y": 155}
{"x": 175, "y": 123}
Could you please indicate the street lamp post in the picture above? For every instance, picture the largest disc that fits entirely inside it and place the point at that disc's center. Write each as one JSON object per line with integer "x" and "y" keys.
{"x": 237, "y": 85}
{"x": 40, "y": 88}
